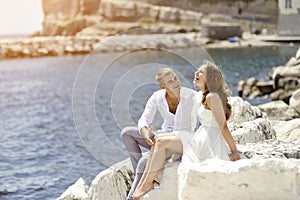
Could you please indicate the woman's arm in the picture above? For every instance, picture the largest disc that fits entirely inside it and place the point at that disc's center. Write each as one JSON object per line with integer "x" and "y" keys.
{"x": 214, "y": 103}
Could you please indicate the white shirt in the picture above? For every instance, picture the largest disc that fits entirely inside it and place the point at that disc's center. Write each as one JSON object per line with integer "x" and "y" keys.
{"x": 181, "y": 121}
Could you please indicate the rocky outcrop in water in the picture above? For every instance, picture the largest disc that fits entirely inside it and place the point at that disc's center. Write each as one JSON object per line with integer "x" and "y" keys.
{"x": 283, "y": 84}
{"x": 271, "y": 152}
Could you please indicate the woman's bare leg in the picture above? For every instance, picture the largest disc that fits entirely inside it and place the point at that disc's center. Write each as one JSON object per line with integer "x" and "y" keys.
{"x": 149, "y": 160}
{"x": 162, "y": 145}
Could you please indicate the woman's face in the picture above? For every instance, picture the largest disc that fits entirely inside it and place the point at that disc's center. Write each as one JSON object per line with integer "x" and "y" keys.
{"x": 200, "y": 76}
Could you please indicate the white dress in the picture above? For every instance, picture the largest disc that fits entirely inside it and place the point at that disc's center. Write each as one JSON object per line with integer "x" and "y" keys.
{"x": 208, "y": 141}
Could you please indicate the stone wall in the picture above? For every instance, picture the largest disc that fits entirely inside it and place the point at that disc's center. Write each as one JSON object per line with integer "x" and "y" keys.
{"x": 287, "y": 25}
{"x": 247, "y": 9}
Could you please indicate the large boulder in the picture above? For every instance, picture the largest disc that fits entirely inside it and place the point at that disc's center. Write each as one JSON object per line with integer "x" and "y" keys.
{"x": 281, "y": 94}
{"x": 112, "y": 183}
{"x": 278, "y": 110}
{"x": 218, "y": 179}
{"x": 288, "y": 83}
{"x": 285, "y": 71}
{"x": 243, "y": 111}
{"x": 288, "y": 131}
{"x": 243, "y": 179}
{"x": 77, "y": 191}
{"x": 248, "y": 123}
{"x": 168, "y": 184}
{"x": 298, "y": 54}
{"x": 295, "y": 100}
{"x": 294, "y": 60}
{"x": 254, "y": 131}
{"x": 271, "y": 149}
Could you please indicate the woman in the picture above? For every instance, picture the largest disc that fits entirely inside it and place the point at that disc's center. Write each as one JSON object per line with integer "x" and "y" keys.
{"x": 212, "y": 138}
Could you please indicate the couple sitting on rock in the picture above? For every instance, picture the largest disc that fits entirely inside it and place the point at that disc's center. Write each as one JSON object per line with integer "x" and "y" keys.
{"x": 180, "y": 107}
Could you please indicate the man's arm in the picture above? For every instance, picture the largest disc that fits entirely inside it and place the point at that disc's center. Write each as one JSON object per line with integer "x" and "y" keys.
{"x": 147, "y": 118}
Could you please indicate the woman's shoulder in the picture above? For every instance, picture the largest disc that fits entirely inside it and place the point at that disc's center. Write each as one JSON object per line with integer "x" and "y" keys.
{"x": 213, "y": 97}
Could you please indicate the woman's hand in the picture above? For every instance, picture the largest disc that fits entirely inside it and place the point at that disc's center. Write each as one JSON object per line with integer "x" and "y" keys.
{"x": 233, "y": 156}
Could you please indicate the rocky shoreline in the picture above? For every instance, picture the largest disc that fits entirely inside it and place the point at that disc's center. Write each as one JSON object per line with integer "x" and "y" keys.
{"x": 75, "y": 45}
{"x": 284, "y": 84}
{"x": 267, "y": 135}
{"x": 81, "y": 27}
{"x": 271, "y": 149}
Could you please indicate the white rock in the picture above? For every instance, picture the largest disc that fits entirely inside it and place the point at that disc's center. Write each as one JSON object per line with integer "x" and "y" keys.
{"x": 283, "y": 71}
{"x": 112, "y": 183}
{"x": 254, "y": 131}
{"x": 298, "y": 53}
{"x": 295, "y": 100}
{"x": 271, "y": 149}
{"x": 278, "y": 110}
{"x": 245, "y": 179}
{"x": 168, "y": 184}
{"x": 243, "y": 111}
{"x": 292, "y": 62}
{"x": 287, "y": 131}
{"x": 77, "y": 191}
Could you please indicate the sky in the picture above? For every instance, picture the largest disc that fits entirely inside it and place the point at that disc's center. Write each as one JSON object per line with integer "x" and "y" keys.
{"x": 20, "y": 16}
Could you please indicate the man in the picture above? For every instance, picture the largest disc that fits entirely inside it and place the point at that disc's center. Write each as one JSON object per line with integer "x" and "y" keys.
{"x": 174, "y": 103}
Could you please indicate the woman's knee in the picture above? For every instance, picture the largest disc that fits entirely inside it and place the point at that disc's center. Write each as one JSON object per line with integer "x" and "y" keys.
{"x": 162, "y": 142}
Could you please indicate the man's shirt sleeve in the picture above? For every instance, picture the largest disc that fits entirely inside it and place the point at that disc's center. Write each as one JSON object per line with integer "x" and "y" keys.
{"x": 149, "y": 112}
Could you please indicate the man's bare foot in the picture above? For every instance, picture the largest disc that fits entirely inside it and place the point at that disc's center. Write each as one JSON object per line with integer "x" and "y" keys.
{"x": 141, "y": 191}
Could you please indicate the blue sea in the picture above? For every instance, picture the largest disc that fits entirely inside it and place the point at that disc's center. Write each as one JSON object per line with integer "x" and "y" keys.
{"x": 61, "y": 116}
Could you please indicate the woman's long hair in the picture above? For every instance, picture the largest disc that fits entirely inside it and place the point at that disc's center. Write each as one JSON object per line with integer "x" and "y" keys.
{"x": 215, "y": 83}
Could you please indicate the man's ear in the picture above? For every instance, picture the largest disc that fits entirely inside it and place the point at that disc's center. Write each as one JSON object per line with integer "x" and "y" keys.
{"x": 162, "y": 86}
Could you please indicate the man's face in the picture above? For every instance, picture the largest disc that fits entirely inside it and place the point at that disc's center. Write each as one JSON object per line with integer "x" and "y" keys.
{"x": 172, "y": 83}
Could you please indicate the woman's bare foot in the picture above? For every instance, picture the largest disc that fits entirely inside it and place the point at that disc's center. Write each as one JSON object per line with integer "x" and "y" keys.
{"x": 142, "y": 190}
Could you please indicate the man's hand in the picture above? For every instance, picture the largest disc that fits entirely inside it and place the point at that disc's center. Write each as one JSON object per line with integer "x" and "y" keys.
{"x": 148, "y": 139}
{"x": 147, "y": 132}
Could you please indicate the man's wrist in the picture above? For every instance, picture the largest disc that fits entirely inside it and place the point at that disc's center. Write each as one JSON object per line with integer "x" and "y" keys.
{"x": 144, "y": 131}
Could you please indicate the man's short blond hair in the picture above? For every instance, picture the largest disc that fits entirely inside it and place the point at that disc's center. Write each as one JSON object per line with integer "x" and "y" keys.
{"x": 162, "y": 73}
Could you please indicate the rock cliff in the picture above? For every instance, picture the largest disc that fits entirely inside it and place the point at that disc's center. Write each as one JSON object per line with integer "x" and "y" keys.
{"x": 108, "y": 17}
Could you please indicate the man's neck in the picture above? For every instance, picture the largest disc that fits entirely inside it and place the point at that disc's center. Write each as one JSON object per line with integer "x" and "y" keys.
{"x": 173, "y": 101}
{"x": 172, "y": 96}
